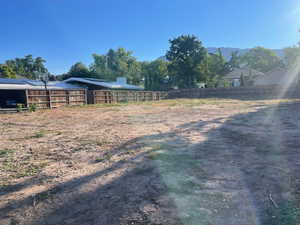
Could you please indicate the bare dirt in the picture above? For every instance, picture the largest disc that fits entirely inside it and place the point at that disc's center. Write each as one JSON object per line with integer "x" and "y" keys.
{"x": 174, "y": 162}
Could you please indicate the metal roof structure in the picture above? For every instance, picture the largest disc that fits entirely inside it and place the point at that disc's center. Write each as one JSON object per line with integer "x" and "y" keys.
{"x": 105, "y": 84}
{"x": 24, "y": 84}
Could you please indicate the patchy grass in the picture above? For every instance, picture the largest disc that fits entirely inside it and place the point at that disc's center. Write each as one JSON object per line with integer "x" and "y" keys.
{"x": 38, "y": 134}
{"x": 202, "y": 168}
{"x": 287, "y": 213}
{"x": 107, "y": 157}
{"x": 5, "y": 152}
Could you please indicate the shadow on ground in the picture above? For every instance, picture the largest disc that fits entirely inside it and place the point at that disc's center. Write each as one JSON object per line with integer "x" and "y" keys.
{"x": 208, "y": 172}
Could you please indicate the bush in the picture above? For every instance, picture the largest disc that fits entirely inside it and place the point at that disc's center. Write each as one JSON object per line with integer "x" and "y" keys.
{"x": 32, "y": 108}
{"x": 20, "y": 107}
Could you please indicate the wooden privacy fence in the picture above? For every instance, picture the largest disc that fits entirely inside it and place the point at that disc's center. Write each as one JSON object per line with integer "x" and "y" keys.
{"x": 55, "y": 98}
{"x": 109, "y": 96}
{"x": 271, "y": 91}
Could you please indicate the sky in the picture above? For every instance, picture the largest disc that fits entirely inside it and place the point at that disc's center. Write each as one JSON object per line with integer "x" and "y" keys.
{"x": 68, "y": 31}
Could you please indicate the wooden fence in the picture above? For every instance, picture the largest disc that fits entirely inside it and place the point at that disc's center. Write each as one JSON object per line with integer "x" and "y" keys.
{"x": 55, "y": 98}
{"x": 109, "y": 96}
{"x": 258, "y": 92}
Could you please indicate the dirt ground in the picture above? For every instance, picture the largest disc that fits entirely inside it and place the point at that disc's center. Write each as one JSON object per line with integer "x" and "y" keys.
{"x": 174, "y": 162}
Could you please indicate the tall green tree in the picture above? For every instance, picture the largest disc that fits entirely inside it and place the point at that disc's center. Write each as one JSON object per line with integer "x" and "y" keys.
{"x": 79, "y": 70}
{"x": 27, "y": 66}
{"x": 186, "y": 55}
{"x": 116, "y": 63}
{"x": 262, "y": 59}
{"x": 155, "y": 75}
{"x": 6, "y": 71}
{"x": 215, "y": 68}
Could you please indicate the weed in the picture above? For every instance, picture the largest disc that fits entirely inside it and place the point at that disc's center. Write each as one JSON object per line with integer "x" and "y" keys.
{"x": 102, "y": 142}
{"x": 108, "y": 156}
{"x": 5, "y": 152}
{"x": 99, "y": 159}
{"x": 32, "y": 108}
{"x": 20, "y": 107}
{"x": 28, "y": 171}
{"x": 38, "y": 134}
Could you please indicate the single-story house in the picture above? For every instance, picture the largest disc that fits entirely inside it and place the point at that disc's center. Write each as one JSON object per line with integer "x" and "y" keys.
{"x": 278, "y": 76}
{"x": 234, "y": 77}
{"x": 97, "y": 84}
{"x": 13, "y": 91}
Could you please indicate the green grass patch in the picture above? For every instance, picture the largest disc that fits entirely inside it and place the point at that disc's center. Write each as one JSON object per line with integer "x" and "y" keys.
{"x": 287, "y": 213}
{"x": 38, "y": 134}
{"x": 5, "y": 152}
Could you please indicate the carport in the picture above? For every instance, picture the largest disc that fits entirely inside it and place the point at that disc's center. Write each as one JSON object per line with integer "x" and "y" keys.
{"x": 10, "y": 98}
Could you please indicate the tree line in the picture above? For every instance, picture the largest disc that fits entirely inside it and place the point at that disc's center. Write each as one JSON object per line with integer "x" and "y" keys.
{"x": 186, "y": 64}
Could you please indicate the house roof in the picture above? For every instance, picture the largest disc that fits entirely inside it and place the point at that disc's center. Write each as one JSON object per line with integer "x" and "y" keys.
{"x": 101, "y": 83}
{"x": 277, "y": 76}
{"x": 23, "y": 84}
{"x": 236, "y": 73}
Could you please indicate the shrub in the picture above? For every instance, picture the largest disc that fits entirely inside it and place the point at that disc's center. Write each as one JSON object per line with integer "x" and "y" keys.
{"x": 20, "y": 107}
{"x": 32, "y": 108}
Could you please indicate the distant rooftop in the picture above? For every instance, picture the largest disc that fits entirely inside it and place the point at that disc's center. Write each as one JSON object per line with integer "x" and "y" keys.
{"x": 119, "y": 84}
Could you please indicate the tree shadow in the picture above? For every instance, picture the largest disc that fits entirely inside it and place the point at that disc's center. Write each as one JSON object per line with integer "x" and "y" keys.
{"x": 227, "y": 178}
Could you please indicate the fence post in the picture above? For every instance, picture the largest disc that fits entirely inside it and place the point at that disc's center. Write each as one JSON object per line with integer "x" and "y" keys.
{"x": 68, "y": 97}
{"x": 86, "y": 96}
{"x": 49, "y": 97}
{"x": 26, "y": 100}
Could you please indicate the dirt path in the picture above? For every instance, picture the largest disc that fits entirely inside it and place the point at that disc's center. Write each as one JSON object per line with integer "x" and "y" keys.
{"x": 214, "y": 162}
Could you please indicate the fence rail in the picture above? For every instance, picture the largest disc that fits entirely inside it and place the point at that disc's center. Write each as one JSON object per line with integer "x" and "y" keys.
{"x": 271, "y": 91}
{"x": 109, "y": 96}
{"x": 55, "y": 98}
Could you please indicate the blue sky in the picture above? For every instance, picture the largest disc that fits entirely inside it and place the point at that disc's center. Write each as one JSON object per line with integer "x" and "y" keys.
{"x": 67, "y": 31}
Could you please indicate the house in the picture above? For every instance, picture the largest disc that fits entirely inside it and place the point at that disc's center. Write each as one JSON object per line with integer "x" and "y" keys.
{"x": 278, "y": 76}
{"x": 97, "y": 84}
{"x": 234, "y": 77}
{"x": 14, "y": 91}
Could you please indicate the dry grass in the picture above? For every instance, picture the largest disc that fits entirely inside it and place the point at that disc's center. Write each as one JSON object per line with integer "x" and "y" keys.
{"x": 193, "y": 152}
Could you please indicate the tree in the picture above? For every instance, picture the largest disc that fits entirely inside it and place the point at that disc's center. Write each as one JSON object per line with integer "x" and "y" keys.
{"x": 155, "y": 75}
{"x": 215, "y": 68}
{"x": 6, "y": 71}
{"x": 234, "y": 61}
{"x": 117, "y": 63}
{"x": 27, "y": 66}
{"x": 292, "y": 55}
{"x": 78, "y": 70}
{"x": 186, "y": 54}
{"x": 262, "y": 59}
